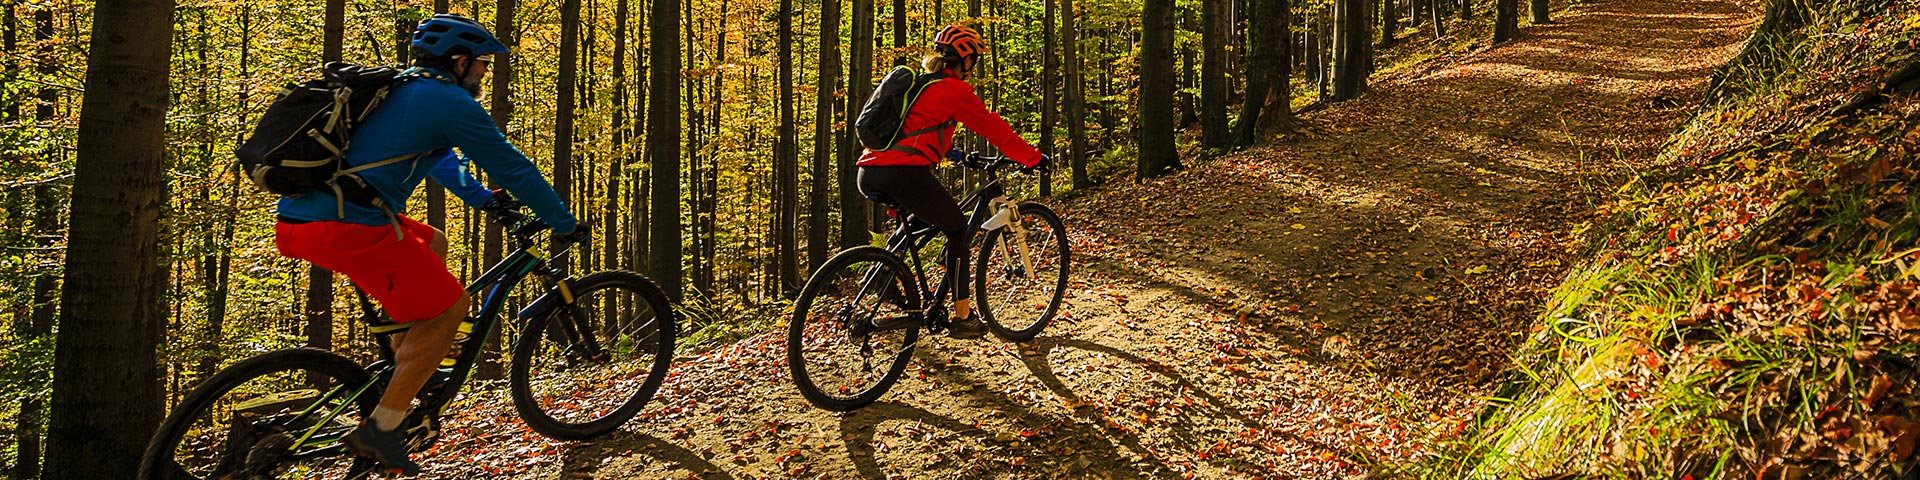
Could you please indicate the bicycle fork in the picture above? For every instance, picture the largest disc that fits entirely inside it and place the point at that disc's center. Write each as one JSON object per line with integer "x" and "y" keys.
{"x": 1006, "y": 215}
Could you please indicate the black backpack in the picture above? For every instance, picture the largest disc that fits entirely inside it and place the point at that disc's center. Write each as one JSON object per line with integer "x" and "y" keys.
{"x": 880, "y": 121}
{"x": 296, "y": 145}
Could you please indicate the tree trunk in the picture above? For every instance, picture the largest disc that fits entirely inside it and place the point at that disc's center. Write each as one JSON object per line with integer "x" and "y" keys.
{"x": 900, "y": 31}
{"x": 319, "y": 304}
{"x": 1213, "y": 74}
{"x": 436, "y": 194}
{"x": 610, "y": 227}
{"x": 501, "y": 106}
{"x": 564, "y": 104}
{"x": 1310, "y": 48}
{"x": 824, "y": 118}
{"x": 39, "y": 322}
{"x": 1190, "y": 103}
{"x": 1466, "y": 9}
{"x": 1506, "y": 20}
{"x": 1279, "y": 110}
{"x": 38, "y": 325}
{"x": 1389, "y": 23}
{"x": 1351, "y": 38}
{"x": 663, "y": 146}
{"x": 106, "y": 392}
{"x": 1438, "y": 19}
{"x": 1269, "y": 64}
{"x": 1076, "y": 96}
{"x": 1049, "y": 100}
{"x": 853, "y": 205}
{"x": 1158, "y": 154}
{"x": 1539, "y": 8}
{"x": 787, "y": 166}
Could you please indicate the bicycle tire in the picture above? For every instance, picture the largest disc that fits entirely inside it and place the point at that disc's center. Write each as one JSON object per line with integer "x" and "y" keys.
{"x": 652, "y": 336}
{"x": 989, "y": 305}
{"x": 864, "y": 263}
{"x": 156, "y": 460}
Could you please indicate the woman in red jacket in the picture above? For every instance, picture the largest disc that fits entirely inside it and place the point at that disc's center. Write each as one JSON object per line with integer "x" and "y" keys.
{"x": 903, "y": 174}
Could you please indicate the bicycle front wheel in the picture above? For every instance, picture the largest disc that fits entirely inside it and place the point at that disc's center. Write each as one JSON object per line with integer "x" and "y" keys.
{"x": 278, "y": 415}
{"x": 582, "y": 369}
{"x": 1020, "y": 279}
{"x": 853, "y": 329}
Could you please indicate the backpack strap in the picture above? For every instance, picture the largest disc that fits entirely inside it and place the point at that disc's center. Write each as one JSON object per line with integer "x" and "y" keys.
{"x": 913, "y": 97}
{"x": 339, "y": 195}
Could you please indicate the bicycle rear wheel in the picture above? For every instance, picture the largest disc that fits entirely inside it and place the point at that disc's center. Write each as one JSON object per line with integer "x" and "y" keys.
{"x": 278, "y": 415}
{"x": 581, "y": 370}
{"x": 1020, "y": 281}
{"x": 853, "y": 329}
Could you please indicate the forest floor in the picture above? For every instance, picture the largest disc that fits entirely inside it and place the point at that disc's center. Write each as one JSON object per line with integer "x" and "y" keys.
{"x": 1339, "y": 300}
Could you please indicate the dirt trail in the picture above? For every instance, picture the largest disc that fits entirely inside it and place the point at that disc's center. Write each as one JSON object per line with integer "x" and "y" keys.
{"x": 1298, "y": 311}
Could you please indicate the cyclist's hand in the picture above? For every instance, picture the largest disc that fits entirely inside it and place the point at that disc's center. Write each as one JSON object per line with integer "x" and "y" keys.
{"x": 1045, "y": 165}
{"x": 579, "y": 234}
{"x": 956, "y": 156}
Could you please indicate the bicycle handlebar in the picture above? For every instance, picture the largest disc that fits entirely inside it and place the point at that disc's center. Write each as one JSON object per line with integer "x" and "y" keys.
{"x": 976, "y": 161}
{"x": 505, "y": 211}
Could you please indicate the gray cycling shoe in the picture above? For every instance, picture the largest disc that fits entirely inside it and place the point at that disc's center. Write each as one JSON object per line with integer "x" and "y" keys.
{"x": 387, "y": 447}
{"x": 967, "y": 328}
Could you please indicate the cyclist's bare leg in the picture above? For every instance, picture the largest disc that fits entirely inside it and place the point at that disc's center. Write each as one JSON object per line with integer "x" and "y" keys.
{"x": 418, "y": 351}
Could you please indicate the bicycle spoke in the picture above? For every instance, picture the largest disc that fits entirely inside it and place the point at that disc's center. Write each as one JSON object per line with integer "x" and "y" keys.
{"x": 836, "y": 347}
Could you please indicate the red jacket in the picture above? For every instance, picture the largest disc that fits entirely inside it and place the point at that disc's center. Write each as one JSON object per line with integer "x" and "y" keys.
{"x": 950, "y": 99}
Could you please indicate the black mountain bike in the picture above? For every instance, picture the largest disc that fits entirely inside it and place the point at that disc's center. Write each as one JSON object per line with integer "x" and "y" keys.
{"x": 856, "y": 321}
{"x": 589, "y": 354}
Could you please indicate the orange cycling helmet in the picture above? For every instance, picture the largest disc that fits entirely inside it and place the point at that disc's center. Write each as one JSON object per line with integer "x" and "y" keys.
{"x": 959, "y": 41}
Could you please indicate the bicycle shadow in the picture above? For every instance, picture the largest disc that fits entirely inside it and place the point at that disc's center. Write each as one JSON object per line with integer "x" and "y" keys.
{"x": 627, "y": 453}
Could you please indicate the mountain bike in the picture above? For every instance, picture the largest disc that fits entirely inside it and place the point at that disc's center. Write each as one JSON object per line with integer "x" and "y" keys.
{"x": 855, "y": 323}
{"x": 591, "y": 351}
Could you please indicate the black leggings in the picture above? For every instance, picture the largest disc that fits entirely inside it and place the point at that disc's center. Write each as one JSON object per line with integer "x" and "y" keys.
{"x": 915, "y": 190}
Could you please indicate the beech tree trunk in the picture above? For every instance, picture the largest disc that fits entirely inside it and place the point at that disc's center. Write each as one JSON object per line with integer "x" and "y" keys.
{"x": 1351, "y": 38}
{"x": 1158, "y": 154}
{"x": 1506, "y": 20}
{"x": 824, "y": 119}
{"x": 501, "y": 106}
{"x": 1539, "y": 8}
{"x": 1213, "y": 76}
{"x": 106, "y": 393}
{"x": 1049, "y": 83}
{"x": 663, "y": 146}
{"x": 1269, "y": 64}
{"x": 564, "y": 103}
{"x": 853, "y": 205}
{"x": 787, "y": 166}
{"x": 1389, "y": 23}
{"x": 1076, "y": 96}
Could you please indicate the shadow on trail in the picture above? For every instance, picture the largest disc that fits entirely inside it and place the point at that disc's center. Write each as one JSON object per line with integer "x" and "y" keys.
{"x": 646, "y": 450}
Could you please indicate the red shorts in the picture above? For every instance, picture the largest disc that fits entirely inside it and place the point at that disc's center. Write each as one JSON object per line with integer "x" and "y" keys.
{"x": 403, "y": 274}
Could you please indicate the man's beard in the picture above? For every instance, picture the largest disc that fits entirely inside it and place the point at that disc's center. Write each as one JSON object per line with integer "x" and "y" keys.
{"x": 472, "y": 86}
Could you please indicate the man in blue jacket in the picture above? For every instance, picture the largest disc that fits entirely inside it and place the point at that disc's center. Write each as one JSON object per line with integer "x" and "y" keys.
{"x": 397, "y": 260}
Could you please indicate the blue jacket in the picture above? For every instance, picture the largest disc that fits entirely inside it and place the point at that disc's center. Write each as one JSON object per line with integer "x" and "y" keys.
{"x": 431, "y": 115}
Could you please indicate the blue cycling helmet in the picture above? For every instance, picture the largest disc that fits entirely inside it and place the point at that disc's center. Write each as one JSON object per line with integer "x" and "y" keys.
{"x": 448, "y": 35}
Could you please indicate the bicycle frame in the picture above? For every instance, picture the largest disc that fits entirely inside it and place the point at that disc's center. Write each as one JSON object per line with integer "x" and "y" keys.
{"x": 982, "y": 204}
{"x": 495, "y": 284}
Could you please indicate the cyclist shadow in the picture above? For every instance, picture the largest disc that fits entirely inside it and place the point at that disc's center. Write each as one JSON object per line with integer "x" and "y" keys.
{"x": 647, "y": 450}
{"x": 1042, "y": 369}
